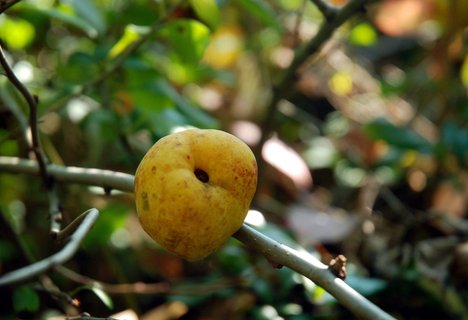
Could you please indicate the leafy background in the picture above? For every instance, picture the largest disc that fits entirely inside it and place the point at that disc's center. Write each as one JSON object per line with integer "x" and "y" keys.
{"x": 368, "y": 157}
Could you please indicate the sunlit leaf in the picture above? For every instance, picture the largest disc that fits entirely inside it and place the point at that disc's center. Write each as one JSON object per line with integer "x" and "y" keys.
{"x": 17, "y": 33}
{"x": 103, "y": 296}
{"x": 207, "y": 10}
{"x": 131, "y": 34}
{"x": 188, "y": 39}
{"x": 25, "y": 299}
{"x": 397, "y": 136}
{"x": 464, "y": 72}
{"x": 363, "y": 35}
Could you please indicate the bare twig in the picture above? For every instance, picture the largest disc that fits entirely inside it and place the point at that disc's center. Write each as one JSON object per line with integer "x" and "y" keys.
{"x": 32, "y": 104}
{"x": 60, "y": 257}
{"x": 54, "y": 211}
{"x": 150, "y": 288}
{"x": 281, "y": 254}
{"x": 4, "y": 5}
{"x": 288, "y": 77}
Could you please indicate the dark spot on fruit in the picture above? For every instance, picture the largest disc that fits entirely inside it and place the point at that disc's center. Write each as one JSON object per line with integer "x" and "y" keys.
{"x": 144, "y": 197}
{"x": 187, "y": 157}
{"x": 153, "y": 169}
{"x": 201, "y": 175}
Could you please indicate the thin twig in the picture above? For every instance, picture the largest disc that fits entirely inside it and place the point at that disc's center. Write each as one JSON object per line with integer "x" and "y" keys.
{"x": 4, "y": 5}
{"x": 288, "y": 77}
{"x": 54, "y": 206}
{"x": 32, "y": 104}
{"x": 308, "y": 266}
{"x": 150, "y": 288}
{"x": 58, "y": 258}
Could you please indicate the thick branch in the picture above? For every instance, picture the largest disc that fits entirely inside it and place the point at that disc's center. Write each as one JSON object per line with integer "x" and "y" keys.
{"x": 58, "y": 258}
{"x": 308, "y": 266}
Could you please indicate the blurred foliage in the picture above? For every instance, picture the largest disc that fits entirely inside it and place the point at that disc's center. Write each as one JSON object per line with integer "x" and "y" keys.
{"x": 378, "y": 119}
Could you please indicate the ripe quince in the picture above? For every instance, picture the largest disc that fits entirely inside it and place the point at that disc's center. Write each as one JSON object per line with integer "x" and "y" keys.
{"x": 193, "y": 190}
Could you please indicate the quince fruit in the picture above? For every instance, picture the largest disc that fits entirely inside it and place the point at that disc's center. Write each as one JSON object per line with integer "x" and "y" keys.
{"x": 193, "y": 190}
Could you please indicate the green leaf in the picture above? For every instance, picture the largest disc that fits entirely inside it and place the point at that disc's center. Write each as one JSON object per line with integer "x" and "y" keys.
{"x": 455, "y": 139}
{"x": 207, "y": 10}
{"x": 64, "y": 15}
{"x": 17, "y": 33}
{"x": 103, "y": 296}
{"x": 363, "y": 35}
{"x": 25, "y": 299}
{"x": 365, "y": 286}
{"x": 112, "y": 217}
{"x": 72, "y": 71}
{"x": 187, "y": 38}
{"x": 401, "y": 137}
{"x": 262, "y": 11}
{"x": 88, "y": 11}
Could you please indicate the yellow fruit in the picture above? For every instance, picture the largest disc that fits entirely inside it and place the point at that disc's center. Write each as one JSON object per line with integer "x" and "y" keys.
{"x": 193, "y": 190}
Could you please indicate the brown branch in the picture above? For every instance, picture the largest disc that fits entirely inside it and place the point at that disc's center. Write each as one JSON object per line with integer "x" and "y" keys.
{"x": 4, "y": 5}
{"x": 149, "y": 288}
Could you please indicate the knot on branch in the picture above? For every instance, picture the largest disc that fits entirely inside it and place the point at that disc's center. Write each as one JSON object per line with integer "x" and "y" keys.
{"x": 337, "y": 266}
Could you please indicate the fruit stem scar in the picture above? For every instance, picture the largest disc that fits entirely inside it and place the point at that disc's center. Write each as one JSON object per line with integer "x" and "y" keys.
{"x": 201, "y": 175}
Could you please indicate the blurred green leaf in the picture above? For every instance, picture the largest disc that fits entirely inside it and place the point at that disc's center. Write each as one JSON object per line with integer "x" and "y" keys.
{"x": 16, "y": 32}
{"x": 88, "y": 11}
{"x": 72, "y": 72}
{"x": 363, "y": 34}
{"x": 262, "y": 11}
{"x": 397, "y": 136}
{"x": 111, "y": 218}
{"x": 364, "y": 285}
{"x": 188, "y": 39}
{"x": 7, "y": 251}
{"x": 25, "y": 298}
{"x": 64, "y": 16}
{"x": 207, "y": 10}
{"x": 455, "y": 139}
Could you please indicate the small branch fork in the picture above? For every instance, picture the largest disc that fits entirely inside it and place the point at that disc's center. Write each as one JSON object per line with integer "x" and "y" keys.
{"x": 32, "y": 101}
{"x": 334, "y": 18}
{"x": 88, "y": 219}
{"x": 306, "y": 265}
